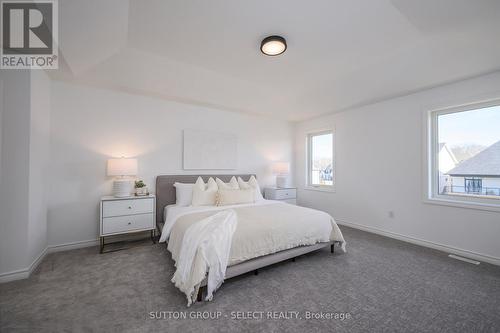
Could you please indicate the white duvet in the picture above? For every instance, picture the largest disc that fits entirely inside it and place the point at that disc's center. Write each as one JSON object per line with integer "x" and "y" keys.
{"x": 263, "y": 228}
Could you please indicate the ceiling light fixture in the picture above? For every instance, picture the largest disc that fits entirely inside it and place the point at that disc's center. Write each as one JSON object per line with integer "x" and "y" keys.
{"x": 273, "y": 45}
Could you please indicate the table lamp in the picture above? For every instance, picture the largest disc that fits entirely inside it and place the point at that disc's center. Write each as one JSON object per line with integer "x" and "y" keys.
{"x": 281, "y": 170}
{"x": 122, "y": 168}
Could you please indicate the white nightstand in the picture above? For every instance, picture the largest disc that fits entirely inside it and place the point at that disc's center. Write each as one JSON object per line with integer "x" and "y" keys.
{"x": 288, "y": 194}
{"x": 120, "y": 216}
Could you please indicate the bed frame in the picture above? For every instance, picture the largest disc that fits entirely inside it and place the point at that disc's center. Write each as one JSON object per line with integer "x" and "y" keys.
{"x": 165, "y": 195}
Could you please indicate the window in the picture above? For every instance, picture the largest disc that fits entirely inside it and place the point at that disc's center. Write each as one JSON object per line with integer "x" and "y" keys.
{"x": 465, "y": 154}
{"x": 320, "y": 163}
{"x": 473, "y": 185}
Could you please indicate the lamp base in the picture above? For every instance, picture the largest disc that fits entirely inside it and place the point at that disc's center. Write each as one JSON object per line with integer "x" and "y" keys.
{"x": 122, "y": 188}
{"x": 281, "y": 181}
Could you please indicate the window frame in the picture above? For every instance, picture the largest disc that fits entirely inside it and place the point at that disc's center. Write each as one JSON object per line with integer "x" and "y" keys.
{"x": 319, "y": 187}
{"x": 431, "y": 161}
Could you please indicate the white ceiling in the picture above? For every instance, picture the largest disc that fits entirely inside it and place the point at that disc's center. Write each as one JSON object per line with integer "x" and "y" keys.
{"x": 340, "y": 53}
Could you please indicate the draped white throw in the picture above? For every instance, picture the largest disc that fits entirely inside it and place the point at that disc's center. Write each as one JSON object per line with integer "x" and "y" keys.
{"x": 206, "y": 246}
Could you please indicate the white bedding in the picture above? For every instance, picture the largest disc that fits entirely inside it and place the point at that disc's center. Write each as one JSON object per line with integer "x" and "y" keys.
{"x": 263, "y": 228}
{"x": 173, "y": 212}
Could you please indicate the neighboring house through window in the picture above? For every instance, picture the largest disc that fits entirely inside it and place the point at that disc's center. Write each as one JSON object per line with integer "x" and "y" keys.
{"x": 320, "y": 160}
{"x": 447, "y": 161}
{"x": 479, "y": 174}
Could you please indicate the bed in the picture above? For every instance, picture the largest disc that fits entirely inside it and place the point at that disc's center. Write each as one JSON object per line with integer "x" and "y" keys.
{"x": 268, "y": 232}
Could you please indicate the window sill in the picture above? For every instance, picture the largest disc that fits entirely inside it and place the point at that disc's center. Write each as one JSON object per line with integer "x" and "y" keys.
{"x": 320, "y": 189}
{"x": 452, "y": 202}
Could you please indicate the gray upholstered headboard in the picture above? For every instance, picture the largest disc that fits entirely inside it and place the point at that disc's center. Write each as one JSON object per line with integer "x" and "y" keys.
{"x": 165, "y": 190}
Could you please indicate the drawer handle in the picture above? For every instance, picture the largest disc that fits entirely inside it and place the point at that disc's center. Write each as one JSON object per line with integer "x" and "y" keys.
{"x": 129, "y": 207}
{"x": 129, "y": 223}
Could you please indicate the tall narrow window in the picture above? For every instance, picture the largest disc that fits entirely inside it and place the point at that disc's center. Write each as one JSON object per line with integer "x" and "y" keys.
{"x": 465, "y": 154}
{"x": 321, "y": 170}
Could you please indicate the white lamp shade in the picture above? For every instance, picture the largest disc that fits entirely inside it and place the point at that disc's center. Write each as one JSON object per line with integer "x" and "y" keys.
{"x": 281, "y": 168}
{"x": 122, "y": 167}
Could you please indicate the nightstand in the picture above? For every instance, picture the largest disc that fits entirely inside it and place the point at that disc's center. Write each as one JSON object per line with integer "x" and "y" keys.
{"x": 120, "y": 216}
{"x": 288, "y": 194}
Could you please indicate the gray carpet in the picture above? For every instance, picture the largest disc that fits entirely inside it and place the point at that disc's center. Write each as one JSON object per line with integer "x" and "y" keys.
{"x": 383, "y": 285}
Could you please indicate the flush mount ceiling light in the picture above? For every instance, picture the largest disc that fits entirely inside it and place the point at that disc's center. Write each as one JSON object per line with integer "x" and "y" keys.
{"x": 273, "y": 45}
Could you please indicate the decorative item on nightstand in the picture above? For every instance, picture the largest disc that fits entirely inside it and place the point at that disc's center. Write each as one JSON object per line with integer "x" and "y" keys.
{"x": 141, "y": 188}
{"x": 288, "y": 195}
{"x": 122, "y": 167}
{"x": 281, "y": 170}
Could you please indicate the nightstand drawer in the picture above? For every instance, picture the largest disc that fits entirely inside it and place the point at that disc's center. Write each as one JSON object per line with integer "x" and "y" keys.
{"x": 119, "y": 224}
{"x": 286, "y": 193}
{"x": 127, "y": 207}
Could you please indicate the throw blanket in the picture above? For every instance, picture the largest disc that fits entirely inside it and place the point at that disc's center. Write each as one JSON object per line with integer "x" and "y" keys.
{"x": 206, "y": 246}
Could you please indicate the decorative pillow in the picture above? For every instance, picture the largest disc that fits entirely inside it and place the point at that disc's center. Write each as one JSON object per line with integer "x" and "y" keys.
{"x": 204, "y": 194}
{"x": 232, "y": 197}
{"x": 183, "y": 194}
{"x": 232, "y": 185}
{"x": 253, "y": 184}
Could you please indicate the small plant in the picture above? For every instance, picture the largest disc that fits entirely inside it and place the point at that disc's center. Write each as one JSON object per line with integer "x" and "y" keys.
{"x": 139, "y": 184}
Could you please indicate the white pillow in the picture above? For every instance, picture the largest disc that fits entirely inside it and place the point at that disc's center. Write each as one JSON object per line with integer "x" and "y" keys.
{"x": 204, "y": 194}
{"x": 232, "y": 185}
{"x": 233, "y": 197}
{"x": 252, "y": 183}
{"x": 183, "y": 194}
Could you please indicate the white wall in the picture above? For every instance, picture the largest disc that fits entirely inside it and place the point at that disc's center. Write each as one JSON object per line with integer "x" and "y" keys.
{"x": 39, "y": 158}
{"x": 379, "y": 152}
{"x": 24, "y": 155}
{"x": 14, "y": 203}
{"x": 1, "y": 113}
{"x": 89, "y": 125}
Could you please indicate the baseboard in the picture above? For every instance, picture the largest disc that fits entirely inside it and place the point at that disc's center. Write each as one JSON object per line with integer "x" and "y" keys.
{"x": 436, "y": 246}
{"x": 26, "y": 272}
{"x": 73, "y": 245}
{"x": 14, "y": 275}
